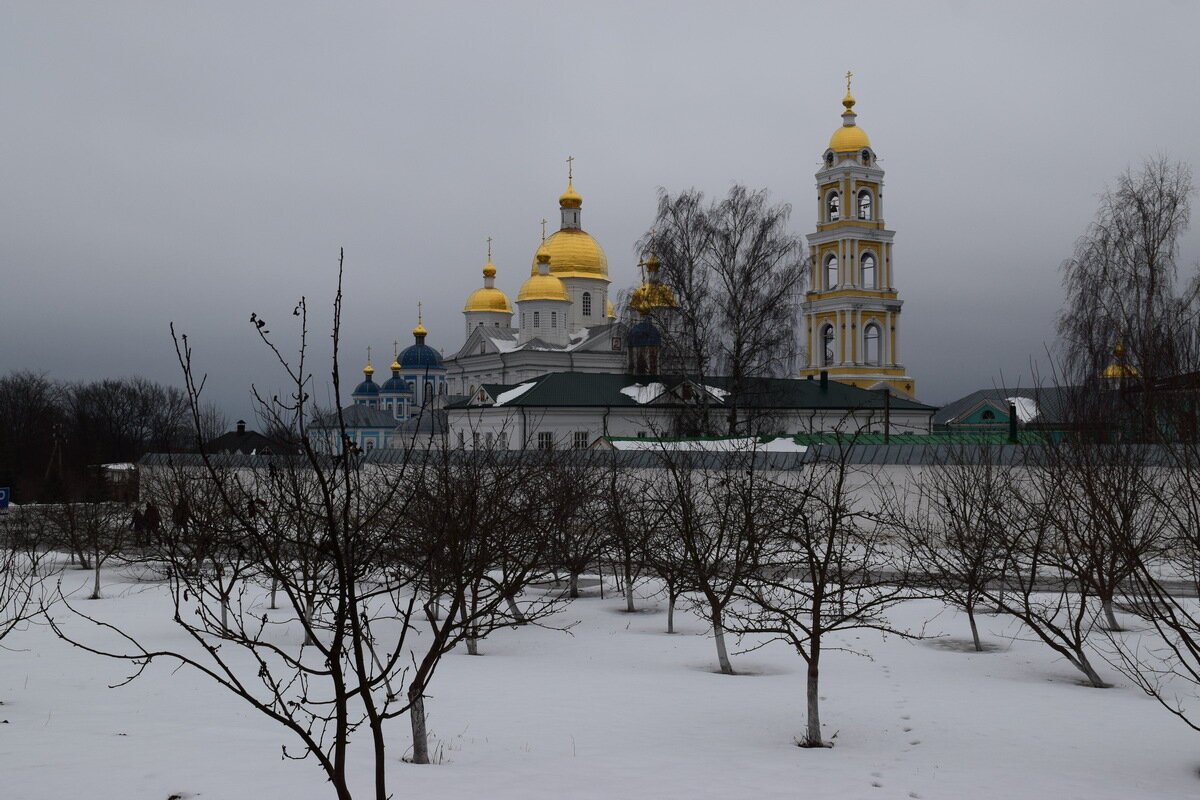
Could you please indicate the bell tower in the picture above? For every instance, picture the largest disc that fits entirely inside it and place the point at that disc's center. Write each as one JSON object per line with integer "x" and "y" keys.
{"x": 852, "y": 309}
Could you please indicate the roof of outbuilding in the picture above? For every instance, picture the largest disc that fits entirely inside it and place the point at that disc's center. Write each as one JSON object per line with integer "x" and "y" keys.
{"x": 1051, "y": 402}
{"x": 558, "y": 389}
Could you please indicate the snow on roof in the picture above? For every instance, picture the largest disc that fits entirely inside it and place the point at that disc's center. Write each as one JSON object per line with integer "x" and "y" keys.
{"x": 1027, "y": 409}
{"x": 513, "y": 394}
{"x": 118, "y": 467}
{"x": 715, "y": 391}
{"x": 779, "y": 444}
{"x": 503, "y": 345}
{"x": 643, "y": 394}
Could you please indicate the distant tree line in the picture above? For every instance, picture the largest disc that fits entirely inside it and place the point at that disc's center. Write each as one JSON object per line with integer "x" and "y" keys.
{"x": 53, "y": 433}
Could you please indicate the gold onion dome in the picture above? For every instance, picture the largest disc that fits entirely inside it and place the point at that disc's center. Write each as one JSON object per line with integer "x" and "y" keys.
{"x": 543, "y": 287}
{"x": 489, "y": 270}
{"x": 609, "y": 311}
{"x": 395, "y": 365}
{"x": 570, "y": 198}
{"x": 420, "y": 330}
{"x": 1120, "y": 368}
{"x": 486, "y": 299}
{"x": 653, "y": 293}
{"x": 368, "y": 370}
{"x": 573, "y": 254}
{"x": 849, "y": 137}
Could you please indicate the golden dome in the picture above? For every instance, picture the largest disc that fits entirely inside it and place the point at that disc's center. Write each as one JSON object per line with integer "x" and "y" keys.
{"x": 848, "y": 138}
{"x": 420, "y": 330}
{"x": 1119, "y": 369}
{"x": 650, "y": 295}
{"x": 395, "y": 365}
{"x": 608, "y": 310}
{"x": 368, "y": 370}
{"x": 573, "y": 254}
{"x": 486, "y": 299}
{"x": 570, "y": 198}
{"x": 489, "y": 269}
{"x": 543, "y": 287}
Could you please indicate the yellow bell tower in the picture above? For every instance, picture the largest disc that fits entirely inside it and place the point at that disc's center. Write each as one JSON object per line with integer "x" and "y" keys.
{"x": 852, "y": 309}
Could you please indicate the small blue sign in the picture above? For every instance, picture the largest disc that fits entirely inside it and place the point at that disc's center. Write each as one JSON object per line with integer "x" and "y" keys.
{"x": 4, "y": 493}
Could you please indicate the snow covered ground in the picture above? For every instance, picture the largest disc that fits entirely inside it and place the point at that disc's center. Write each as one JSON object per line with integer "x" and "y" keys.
{"x": 614, "y": 709}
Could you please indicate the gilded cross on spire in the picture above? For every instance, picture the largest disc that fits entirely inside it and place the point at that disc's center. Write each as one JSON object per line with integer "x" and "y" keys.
{"x": 395, "y": 349}
{"x": 418, "y": 312}
{"x": 570, "y": 168}
{"x": 368, "y": 355}
{"x": 544, "y": 221}
{"x": 849, "y": 75}
{"x": 489, "y": 251}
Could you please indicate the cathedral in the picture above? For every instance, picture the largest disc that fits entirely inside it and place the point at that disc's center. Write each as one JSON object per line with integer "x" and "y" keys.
{"x": 564, "y": 335}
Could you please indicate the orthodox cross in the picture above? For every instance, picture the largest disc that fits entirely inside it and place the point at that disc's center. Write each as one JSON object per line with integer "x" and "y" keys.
{"x": 544, "y": 221}
{"x": 849, "y": 75}
{"x": 489, "y": 248}
{"x": 368, "y": 355}
{"x": 395, "y": 349}
{"x": 570, "y": 168}
{"x": 418, "y": 312}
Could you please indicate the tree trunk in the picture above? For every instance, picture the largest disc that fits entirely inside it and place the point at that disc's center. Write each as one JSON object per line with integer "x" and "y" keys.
{"x": 812, "y": 734}
{"x": 515, "y": 610}
{"x": 974, "y": 628}
{"x": 416, "y": 713}
{"x": 573, "y": 591}
{"x": 1087, "y": 669}
{"x": 629, "y": 594}
{"x": 308, "y": 621}
{"x": 224, "y": 613}
{"x": 96, "y": 581}
{"x": 1110, "y": 619}
{"x": 719, "y": 635}
{"x": 274, "y": 592}
{"x": 670, "y": 612}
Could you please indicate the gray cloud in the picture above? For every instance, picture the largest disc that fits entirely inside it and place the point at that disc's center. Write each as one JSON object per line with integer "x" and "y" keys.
{"x": 195, "y": 163}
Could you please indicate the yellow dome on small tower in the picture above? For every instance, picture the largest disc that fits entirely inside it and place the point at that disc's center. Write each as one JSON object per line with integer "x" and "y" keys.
{"x": 573, "y": 254}
{"x": 570, "y": 198}
{"x": 543, "y": 287}
{"x": 849, "y": 137}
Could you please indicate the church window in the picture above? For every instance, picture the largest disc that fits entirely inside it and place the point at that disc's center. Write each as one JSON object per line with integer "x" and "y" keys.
{"x": 871, "y": 345}
{"x": 545, "y": 440}
{"x": 827, "y": 359}
{"x": 868, "y": 271}
{"x": 829, "y": 159}
{"x": 474, "y": 440}
{"x": 831, "y": 271}
{"x": 834, "y": 206}
{"x": 523, "y": 320}
{"x": 461, "y": 440}
{"x": 428, "y": 395}
{"x": 537, "y": 319}
{"x": 370, "y": 445}
{"x": 988, "y": 414}
{"x": 864, "y": 204}
{"x": 482, "y": 348}
{"x": 586, "y": 303}
{"x": 553, "y": 319}
{"x": 502, "y": 440}
{"x": 866, "y": 156}
{"x": 581, "y": 440}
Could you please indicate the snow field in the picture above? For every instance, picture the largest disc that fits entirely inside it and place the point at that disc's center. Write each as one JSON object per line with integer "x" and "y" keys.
{"x": 615, "y": 708}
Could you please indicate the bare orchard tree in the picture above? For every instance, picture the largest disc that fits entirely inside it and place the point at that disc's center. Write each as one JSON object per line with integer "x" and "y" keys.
{"x": 24, "y": 556}
{"x": 332, "y": 509}
{"x": 738, "y": 275}
{"x": 1165, "y": 663}
{"x": 1045, "y": 587}
{"x": 573, "y": 516}
{"x": 631, "y": 520}
{"x": 475, "y": 538}
{"x": 714, "y": 507}
{"x": 954, "y": 521}
{"x": 828, "y": 566}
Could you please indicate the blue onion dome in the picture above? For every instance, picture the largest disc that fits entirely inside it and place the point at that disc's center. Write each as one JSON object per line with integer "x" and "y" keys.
{"x": 395, "y": 384}
{"x": 644, "y": 334}
{"x": 420, "y": 356}
{"x": 368, "y": 386}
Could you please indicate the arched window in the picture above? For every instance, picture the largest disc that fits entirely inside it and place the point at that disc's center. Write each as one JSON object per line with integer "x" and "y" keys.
{"x": 831, "y": 271}
{"x": 864, "y": 204}
{"x": 537, "y": 319}
{"x": 835, "y": 206}
{"x": 866, "y": 157}
{"x": 827, "y": 358}
{"x": 868, "y": 271}
{"x": 428, "y": 396}
{"x": 871, "y": 345}
{"x": 829, "y": 159}
{"x": 553, "y": 319}
{"x": 586, "y": 303}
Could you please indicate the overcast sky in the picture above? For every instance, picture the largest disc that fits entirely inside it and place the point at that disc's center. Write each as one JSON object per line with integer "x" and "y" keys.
{"x": 195, "y": 163}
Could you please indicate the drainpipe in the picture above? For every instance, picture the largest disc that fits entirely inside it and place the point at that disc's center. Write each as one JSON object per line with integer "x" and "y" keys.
{"x": 1012, "y": 423}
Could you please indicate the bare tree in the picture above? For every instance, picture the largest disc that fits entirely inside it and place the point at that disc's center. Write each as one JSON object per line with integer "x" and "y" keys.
{"x": 632, "y": 519}
{"x": 714, "y": 512}
{"x": 828, "y": 566}
{"x": 738, "y": 276}
{"x": 954, "y": 521}
{"x": 1123, "y": 289}
{"x": 23, "y": 557}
